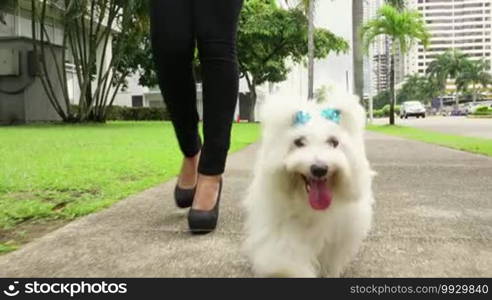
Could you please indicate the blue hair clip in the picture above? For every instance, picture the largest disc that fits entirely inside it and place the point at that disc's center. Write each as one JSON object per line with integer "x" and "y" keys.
{"x": 331, "y": 115}
{"x": 301, "y": 118}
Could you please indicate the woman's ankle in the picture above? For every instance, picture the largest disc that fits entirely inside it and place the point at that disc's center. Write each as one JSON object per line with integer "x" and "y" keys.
{"x": 207, "y": 192}
{"x": 189, "y": 175}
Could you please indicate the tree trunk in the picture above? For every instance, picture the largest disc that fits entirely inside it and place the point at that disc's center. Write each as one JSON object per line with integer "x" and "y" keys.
{"x": 474, "y": 96}
{"x": 39, "y": 47}
{"x": 311, "y": 50}
{"x": 252, "y": 103}
{"x": 252, "y": 97}
{"x": 371, "y": 109}
{"x": 358, "y": 60}
{"x": 392, "y": 90}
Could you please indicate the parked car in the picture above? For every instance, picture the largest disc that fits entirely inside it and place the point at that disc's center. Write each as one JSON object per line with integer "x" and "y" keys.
{"x": 412, "y": 109}
{"x": 470, "y": 107}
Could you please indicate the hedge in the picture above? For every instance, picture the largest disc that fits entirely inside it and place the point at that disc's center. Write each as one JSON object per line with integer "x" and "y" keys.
{"x": 483, "y": 111}
{"x": 123, "y": 113}
{"x": 384, "y": 112}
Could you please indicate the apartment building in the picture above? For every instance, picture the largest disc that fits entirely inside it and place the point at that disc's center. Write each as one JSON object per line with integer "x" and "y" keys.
{"x": 457, "y": 24}
{"x": 376, "y": 63}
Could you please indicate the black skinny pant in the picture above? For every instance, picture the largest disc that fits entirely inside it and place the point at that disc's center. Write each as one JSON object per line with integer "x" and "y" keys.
{"x": 176, "y": 27}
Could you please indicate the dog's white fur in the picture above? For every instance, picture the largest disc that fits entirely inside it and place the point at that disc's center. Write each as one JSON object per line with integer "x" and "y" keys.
{"x": 285, "y": 236}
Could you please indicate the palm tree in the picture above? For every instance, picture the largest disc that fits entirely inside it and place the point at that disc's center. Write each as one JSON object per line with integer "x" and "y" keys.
{"x": 447, "y": 66}
{"x": 418, "y": 87}
{"x": 358, "y": 61}
{"x": 474, "y": 73}
{"x": 310, "y": 49}
{"x": 403, "y": 29}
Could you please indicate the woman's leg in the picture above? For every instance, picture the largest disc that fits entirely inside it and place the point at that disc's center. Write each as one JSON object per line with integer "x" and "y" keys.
{"x": 173, "y": 43}
{"x": 216, "y": 27}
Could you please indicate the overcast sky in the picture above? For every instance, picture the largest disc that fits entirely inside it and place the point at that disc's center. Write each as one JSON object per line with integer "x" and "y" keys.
{"x": 335, "y": 15}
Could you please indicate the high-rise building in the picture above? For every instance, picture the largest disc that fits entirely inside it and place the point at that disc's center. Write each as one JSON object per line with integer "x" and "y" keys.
{"x": 453, "y": 24}
{"x": 377, "y": 60}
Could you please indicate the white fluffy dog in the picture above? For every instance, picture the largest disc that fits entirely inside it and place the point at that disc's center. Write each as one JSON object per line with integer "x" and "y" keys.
{"x": 309, "y": 206}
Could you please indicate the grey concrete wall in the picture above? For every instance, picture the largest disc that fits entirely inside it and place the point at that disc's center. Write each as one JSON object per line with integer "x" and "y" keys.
{"x": 12, "y": 110}
{"x": 32, "y": 104}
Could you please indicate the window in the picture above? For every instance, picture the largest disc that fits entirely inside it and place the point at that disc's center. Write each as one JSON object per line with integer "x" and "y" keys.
{"x": 137, "y": 101}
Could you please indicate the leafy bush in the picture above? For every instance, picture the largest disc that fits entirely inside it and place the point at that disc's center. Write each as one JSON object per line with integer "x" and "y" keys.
{"x": 483, "y": 111}
{"x": 122, "y": 113}
{"x": 378, "y": 113}
{"x": 381, "y": 99}
{"x": 386, "y": 110}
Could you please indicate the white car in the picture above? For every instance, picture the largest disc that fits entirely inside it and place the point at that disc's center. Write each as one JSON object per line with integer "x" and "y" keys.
{"x": 412, "y": 108}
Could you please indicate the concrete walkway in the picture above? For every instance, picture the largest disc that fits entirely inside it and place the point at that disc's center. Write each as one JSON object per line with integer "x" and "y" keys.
{"x": 433, "y": 218}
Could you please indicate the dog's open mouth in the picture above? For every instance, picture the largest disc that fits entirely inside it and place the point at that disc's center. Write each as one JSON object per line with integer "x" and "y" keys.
{"x": 319, "y": 193}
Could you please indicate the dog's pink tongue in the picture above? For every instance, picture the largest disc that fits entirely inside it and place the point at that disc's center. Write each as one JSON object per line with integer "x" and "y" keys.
{"x": 320, "y": 195}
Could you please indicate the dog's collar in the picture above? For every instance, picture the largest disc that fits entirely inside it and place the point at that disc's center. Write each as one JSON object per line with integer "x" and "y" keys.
{"x": 302, "y": 117}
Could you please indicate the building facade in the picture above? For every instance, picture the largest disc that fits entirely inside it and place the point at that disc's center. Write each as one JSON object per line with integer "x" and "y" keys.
{"x": 453, "y": 24}
{"x": 376, "y": 62}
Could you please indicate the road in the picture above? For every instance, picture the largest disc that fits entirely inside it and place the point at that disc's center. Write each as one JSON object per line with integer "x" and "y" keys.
{"x": 481, "y": 128}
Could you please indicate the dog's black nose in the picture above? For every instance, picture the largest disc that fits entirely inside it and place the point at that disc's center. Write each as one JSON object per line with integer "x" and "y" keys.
{"x": 319, "y": 170}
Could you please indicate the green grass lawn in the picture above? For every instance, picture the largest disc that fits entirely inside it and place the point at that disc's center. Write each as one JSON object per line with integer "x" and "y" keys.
{"x": 469, "y": 144}
{"x": 50, "y": 172}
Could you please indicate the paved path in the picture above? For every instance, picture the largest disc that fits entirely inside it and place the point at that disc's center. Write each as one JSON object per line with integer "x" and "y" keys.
{"x": 433, "y": 218}
{"x": 455, "y": 125}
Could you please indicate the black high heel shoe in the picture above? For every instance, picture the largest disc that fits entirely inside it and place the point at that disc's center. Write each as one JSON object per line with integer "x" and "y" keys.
{"x": 184, "y": 197}
{"x": 204, "y": 221}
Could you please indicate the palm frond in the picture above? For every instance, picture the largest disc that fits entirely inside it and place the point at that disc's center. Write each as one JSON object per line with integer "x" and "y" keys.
{"x": 405, "y": 28}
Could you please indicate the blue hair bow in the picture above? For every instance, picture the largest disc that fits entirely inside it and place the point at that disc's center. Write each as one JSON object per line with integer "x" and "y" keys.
{"x": 331, "y": 115}
{"x": 302, "y": 118}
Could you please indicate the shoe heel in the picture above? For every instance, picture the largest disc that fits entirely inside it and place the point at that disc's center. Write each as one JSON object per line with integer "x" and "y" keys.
{"x": 202, "y": 221}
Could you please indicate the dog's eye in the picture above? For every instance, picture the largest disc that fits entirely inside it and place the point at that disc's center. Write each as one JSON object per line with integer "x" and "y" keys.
{"x": 333, "y": 141}
{"x": 300, "y": 142}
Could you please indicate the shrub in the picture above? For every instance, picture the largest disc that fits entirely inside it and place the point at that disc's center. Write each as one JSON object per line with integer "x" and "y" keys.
{"x": 386, "y": 110}
{"x": 483, "y": 111}
{"x": 121, "y": 113}
{"x": 378, "y": 113}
